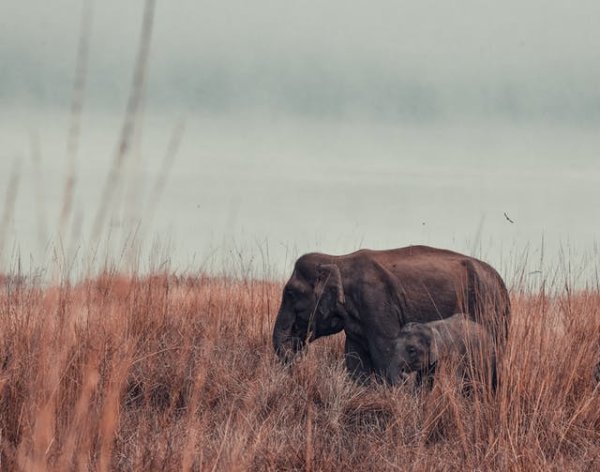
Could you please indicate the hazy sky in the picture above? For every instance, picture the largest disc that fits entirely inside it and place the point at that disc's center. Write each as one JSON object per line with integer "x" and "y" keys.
{"x": 313, "y": 125}
{"x": 388, "y": 57}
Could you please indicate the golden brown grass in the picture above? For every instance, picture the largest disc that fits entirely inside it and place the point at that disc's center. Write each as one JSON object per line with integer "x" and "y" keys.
{"x": 167, "y": 373}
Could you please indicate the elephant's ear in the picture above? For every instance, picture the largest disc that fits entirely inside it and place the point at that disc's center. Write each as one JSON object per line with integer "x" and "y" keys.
{"x": 436, "y": 346}
{"x": 332, "y": 272}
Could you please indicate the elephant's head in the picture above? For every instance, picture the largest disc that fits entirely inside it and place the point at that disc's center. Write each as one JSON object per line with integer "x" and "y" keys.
{"x": 311, "y": 306}
{"x": 415, "y": 349}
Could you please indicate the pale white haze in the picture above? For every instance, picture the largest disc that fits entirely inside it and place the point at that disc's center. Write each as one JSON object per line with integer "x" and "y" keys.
{"x": 307, "y": 125}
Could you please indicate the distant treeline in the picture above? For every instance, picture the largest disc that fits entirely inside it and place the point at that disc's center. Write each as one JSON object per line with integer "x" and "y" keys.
{"x": 311, "y": 88}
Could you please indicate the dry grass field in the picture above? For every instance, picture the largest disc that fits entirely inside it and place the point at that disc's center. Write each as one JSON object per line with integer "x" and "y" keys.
{"x": 165, "y": 372}
{"x": 174, "y": 373}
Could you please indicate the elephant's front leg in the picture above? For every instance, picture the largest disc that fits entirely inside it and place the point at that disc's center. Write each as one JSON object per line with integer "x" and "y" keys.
{"x": 358, "y": 361}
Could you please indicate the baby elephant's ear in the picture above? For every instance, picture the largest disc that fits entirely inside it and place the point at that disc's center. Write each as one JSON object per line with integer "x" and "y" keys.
{"x": 435, "y": 345}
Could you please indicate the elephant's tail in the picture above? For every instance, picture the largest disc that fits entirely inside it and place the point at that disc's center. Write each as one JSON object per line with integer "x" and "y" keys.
{"x": 488, "y": 301}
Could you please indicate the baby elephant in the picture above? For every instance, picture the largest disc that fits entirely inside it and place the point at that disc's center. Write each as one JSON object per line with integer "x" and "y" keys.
{"x": 458, "y": 342}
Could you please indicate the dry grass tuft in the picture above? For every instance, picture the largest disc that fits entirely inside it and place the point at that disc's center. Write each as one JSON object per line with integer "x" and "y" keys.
{"x": 168, "y": 373}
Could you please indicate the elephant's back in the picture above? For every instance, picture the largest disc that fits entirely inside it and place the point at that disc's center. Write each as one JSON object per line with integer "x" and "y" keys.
{"x": 413, "y": 253}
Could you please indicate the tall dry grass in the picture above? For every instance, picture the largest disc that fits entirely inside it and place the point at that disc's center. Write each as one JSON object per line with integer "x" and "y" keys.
{"x": 171, "y": 373}
{"x": 174, "y": 373}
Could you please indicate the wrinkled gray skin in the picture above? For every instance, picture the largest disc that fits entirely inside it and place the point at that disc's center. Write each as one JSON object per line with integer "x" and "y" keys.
{"x": 371, "y": 295}
{"x": 461, "y": 344}
{"x": 597, "y": 373}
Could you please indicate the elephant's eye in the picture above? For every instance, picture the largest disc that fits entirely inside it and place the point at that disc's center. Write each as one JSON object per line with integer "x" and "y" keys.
{"x": 412, "y": 352}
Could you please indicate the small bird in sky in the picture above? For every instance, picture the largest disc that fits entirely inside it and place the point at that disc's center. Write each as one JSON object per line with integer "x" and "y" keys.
{"x": 508, "y": 218}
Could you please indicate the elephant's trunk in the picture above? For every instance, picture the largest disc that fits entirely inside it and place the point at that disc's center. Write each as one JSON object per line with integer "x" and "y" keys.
{"x": 284, "y": 343}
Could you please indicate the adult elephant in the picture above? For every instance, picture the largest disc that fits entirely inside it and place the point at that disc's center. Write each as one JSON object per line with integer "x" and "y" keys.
{"x": 371, "y": 295}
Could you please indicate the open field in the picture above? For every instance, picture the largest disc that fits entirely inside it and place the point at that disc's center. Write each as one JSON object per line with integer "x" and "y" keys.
{"x": 207, "y": 134}
{"x": 168, "y": 373}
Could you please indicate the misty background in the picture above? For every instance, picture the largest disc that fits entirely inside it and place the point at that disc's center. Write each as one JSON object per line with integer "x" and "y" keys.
{"x": 308, "y": 125}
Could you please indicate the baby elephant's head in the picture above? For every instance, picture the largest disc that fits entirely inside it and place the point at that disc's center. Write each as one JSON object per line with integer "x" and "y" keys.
{"x": 414, "y": 350}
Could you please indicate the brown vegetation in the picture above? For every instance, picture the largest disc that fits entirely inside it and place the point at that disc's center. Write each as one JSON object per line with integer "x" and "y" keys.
{"x": 167, "y": 373}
